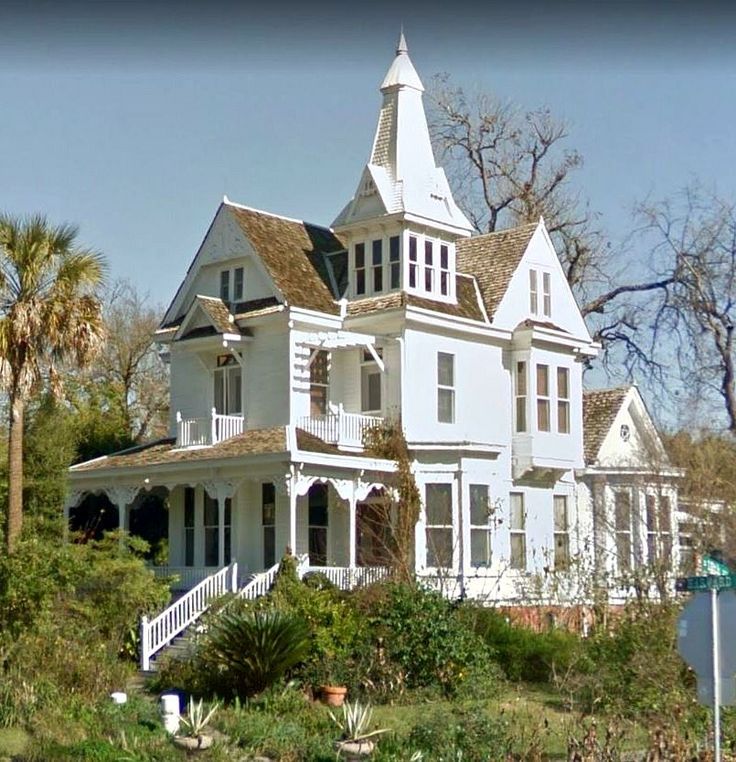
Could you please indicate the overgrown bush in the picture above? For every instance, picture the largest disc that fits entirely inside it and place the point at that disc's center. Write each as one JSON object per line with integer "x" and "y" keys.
{"x": 522, "y": 653}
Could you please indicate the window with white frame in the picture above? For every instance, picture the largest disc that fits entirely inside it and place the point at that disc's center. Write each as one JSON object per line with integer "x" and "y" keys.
{"x": 319, "y": 382}
{"x": 413, "y": 262}
{"x": 480, "y": 526}
{"x": 438, "y": 507}
{"x": 234, "y": 277}
{"x": 444, "y": 269}
{"x": 652, "y": 540}
{"x": 359, "y": 269}
{"x": 370, "y": 383}
{"x": 238, "y": 284}
{"x": 188, "y": 526}
{"x": 228, "y": 379}
{"x": 563, "y": 400}
{"x": 428, "y": 265}
{"x": 394, "y": 259}
{"x": 225, "y": 286}
{"x": 268, "y": 523}
{"x": 445, "y": 387}
{"x": 562, "y": 532}
{"x": 543, "y": 402}
{"x": 622, "y": 526}
{"x": 517, "y": 530}
{"x": 521, "y": 396}
{"x": 377, "y": 264}
{"x": 540, "y": 293}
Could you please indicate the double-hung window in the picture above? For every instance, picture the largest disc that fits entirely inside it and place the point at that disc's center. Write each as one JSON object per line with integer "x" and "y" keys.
{"x": 377, "y": 262}
{"x": 480, "y": 526}
{"x": 562, "y": 532}
{"x": 439, "y": 525}
{"x": 652, "y": 540}
{"x": 445, "y": 387}
{"x": 444, "y": 269}
{"x": 370, "y": 383}
{"x": 533, "y": 292}
{"x": 238, "y": 284}
{"x": 268, "y": 523}
{"x": 319, "y": 381}
{"x": 563, "y": 400}
{"x": 413, "y": 262}
{"x": 665, "y": 530}
{"x": 659, "y": 531}
{"x": 546, "y": 295}
{"x": 521, "y": 395}
{"x": 318, "y": 519}
{"x": 359, "y": 269}
{"x": 225, "y": 286}
{"x": 540, "y": 293}
{"x": 232, "y": 278}
{"x": 429, "y": 266}
{"x": 622, "y": 508}
{"x": 543, "y": 398}
{"x": 394, "y": 259}
{"x": 517, "y": 530}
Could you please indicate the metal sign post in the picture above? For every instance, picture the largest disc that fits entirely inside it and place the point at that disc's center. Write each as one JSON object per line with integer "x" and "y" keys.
{"x": 716, "y": 676}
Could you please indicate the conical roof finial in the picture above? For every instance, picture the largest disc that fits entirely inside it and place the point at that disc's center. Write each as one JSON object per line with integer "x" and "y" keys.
{"x": 402, "y": 47}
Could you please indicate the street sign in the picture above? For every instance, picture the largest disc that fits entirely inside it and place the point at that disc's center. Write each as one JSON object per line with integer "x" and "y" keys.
{"x": 710, "y": 566}
{"x": 704, "y": 583}
{"x": 703, "y": 641}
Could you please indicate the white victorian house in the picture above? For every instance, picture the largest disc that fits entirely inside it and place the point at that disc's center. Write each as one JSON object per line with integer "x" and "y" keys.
{"x": 287, "y": 340}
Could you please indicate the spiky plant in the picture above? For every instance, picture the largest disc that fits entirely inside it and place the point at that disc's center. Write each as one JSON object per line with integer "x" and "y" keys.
{"x": 255, "y": 648}
{"x": 196, "y": 721}
{"x": 50, "y": 316}
{"x": 355, "y": 721}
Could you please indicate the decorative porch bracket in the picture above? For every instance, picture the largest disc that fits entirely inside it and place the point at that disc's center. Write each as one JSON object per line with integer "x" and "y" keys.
{"x": 121, "y": 497}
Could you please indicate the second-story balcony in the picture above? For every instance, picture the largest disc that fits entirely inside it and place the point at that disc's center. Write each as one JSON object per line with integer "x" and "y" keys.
{"x": 346, "y": 430}
{"x": 203, "y": 432}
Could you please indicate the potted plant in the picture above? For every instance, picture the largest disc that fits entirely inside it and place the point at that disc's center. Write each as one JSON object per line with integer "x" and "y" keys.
{"x": 196, "y": 723}
{"x": 331, "y": 678}
{"x": 356, "y": 740}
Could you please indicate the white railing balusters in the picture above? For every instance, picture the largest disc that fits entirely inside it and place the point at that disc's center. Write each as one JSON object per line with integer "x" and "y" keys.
{"x": 260, "y": 584}
{"x": 339, "y": 428}
{"x": 161, "y": 630}
{"x": 201, "y": 432}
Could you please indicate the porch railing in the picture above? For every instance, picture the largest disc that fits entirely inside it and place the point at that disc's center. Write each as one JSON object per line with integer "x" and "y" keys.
{"x": 339, "y": 428}
{"x": 347, "y": 578}
{"x": 185, "y": 577}
{"x": 172, "y": 621}
{"x": 201, "y": 432}
{"x": 259, "y": 584}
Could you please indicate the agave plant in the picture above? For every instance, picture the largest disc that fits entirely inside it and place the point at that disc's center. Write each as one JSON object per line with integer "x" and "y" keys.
{"x": 355, "y": 721}
{"x": 256, "y": 648}
{"x": 196, "y": 720}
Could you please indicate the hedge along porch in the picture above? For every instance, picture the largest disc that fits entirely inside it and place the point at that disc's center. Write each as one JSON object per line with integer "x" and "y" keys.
{"x": 247, "y": 506}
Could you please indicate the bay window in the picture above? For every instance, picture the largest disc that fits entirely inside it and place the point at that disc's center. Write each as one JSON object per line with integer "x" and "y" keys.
{"x": 438, "y": 506}
{"x": 543, "y": 398}
{"x": 521, "y": 395}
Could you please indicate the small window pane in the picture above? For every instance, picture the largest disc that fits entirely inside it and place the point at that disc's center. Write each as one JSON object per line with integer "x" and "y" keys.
{"x": 439, "y": 504}
{"x": 480, "y": 547}
{"x": 360, "y": 255}
{"x": 210, "y": 511}
{"x": 518, "y": 551}
{"x": 412, "y": 248}
{"x": 665, "y": 517}
{"x": 439, "y": 547}
{"x": 428, "y": 252}
{"x": 444, "y": 257}
{"x": 517, "y": 518}
{"x": 542, "y": 380}
{"x": 478, "y": 504}
{"x": 623, "y": 511}
{"x": 238, "y": 284}
{"x": 393, "y": 245}
{"x": 445, "y": 369}
{"x": 563, "y": 383}
{"x": 446, "y": 405}
{"x": 560, "y": 508}
{"x": 225, "y": 285}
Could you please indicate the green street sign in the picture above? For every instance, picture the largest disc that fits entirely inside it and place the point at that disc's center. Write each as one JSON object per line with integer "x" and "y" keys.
{"x": 710, "y": 566}
{"x": 710, "y": 582}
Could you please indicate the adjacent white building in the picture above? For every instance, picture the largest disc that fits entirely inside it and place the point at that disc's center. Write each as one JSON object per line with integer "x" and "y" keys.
{"x": 287, "y": 340}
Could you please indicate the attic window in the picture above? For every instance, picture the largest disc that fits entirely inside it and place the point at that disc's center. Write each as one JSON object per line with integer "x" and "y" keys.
{"x": 236, "y": 278}
{"x": 540, "y": 303}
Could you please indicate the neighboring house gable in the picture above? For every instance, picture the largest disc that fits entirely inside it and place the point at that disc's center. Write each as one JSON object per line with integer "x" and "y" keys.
{"x": 619, "y": 432}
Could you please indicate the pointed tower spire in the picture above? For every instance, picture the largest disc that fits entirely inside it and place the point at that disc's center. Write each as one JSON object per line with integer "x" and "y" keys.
{"x": 401, "y": 176}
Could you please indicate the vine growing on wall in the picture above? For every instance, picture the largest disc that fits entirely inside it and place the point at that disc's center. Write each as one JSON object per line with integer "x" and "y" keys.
{"x": 386, "y": 440}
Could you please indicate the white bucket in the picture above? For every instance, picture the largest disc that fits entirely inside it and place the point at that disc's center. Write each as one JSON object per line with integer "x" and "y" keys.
{"x": 119, "y": 697}
{"x": 169, "y": 705}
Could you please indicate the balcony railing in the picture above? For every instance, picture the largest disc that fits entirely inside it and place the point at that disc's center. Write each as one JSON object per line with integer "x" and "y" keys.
{"x": 340, "y": 428}
{"x": 201, "y": 432}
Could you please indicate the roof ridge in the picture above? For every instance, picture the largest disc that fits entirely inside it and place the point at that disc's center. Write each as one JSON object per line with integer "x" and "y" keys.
{"x": 602, "y": 390}
{"x": 234, "y": 204}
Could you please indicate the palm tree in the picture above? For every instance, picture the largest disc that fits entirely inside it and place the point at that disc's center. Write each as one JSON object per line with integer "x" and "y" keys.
{"x": 49, "y": 317}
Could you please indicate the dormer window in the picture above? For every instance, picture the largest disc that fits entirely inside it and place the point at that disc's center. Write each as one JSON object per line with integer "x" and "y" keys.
{"x": 236, "y": 277}
{"x": 540, "y": 293}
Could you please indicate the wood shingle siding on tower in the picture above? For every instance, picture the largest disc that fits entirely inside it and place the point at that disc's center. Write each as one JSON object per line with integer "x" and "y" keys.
{"x": 600, "y": 407}
{"x": 493, "y": 258}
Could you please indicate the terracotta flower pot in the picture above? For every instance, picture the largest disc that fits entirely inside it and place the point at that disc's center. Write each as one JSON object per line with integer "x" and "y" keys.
{"x": 333, "y": 695}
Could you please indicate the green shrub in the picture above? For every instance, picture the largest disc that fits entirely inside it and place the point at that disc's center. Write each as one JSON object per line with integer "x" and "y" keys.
{"x": 524, "y": 654}
{"x": 254, "y": 649}
{"x": 423, "y": 635}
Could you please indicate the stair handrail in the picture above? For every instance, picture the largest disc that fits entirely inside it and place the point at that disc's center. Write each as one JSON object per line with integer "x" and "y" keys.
{"x": 259, "y": 584}
{"x": 174, "y": 619}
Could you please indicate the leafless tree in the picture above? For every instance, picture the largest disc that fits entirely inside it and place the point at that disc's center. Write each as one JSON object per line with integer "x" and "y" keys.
{"x": 130, "y": 363}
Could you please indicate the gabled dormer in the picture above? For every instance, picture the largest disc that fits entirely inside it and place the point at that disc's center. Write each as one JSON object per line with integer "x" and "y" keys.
{"x": 402, "y": 223}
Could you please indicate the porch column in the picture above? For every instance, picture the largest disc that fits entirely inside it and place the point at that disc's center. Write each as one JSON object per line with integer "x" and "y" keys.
{"x": 221, "y": 491}
{"x": 352, "y": 532}
{"x": 121, "y": 498}
{"x": 292, "y": 513}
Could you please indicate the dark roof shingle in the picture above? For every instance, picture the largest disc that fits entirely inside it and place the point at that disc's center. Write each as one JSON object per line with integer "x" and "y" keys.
{"x": 600, "y": 407}
{"x": 493, "y": 258}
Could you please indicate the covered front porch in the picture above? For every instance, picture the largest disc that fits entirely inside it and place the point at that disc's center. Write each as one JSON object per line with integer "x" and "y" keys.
{"x": 332, "y": 509}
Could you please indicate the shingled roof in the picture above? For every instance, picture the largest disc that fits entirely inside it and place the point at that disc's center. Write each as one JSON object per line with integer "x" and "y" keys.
{"x": 468, "y": 305}
{"x": 252, "y": 442}
{"x": 600, "y": 407}
{"x": 493, "y": 258}
{"x": 293, "y": 252}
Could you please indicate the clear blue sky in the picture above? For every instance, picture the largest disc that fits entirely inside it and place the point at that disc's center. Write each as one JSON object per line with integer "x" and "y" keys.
{"x": 132, "y": 120}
